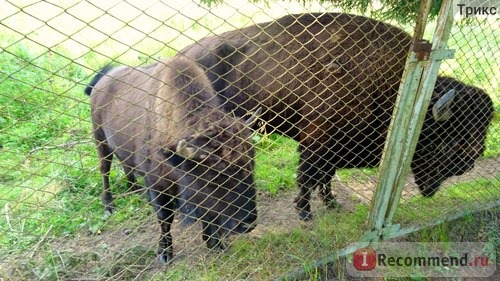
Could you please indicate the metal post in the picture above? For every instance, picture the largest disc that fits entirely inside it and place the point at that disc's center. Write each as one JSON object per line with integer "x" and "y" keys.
{"x": 426, "y": 87}
{"x": 411, "y": 105}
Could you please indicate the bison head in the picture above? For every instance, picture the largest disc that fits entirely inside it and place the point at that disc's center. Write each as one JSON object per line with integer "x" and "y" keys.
{"x": 453, "y": 135}
{"x": 217, "y": 186}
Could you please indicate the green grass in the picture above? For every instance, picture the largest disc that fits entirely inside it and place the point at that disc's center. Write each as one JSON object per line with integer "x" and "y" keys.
{"x": 277, "y": 160}
{"x": 272, "y": 255}
{"x": 493, "y": 137}
{"x": 461, "y": 196}
{"x": 50, "y": 193}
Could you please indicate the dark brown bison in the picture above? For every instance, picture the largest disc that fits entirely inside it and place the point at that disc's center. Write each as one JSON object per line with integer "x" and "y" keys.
{"x": 330, "y": 81}
{"x": 165, "y": 122}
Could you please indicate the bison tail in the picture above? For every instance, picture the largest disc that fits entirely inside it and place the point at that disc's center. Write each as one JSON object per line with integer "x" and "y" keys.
{"x": 97, "y": 77}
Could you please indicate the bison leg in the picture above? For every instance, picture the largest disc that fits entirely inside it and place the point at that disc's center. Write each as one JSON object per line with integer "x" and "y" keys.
{"x": 211, "y": 236}
{"x": 325, "y": 193}
{"x": 105, "y": 158}
{"x": 163, "y": 204}
{"x": 302, "y": 203}
{"x": 315, "y": 169}
{"x": 325, "y": 190}
{"x": 132, "y": 182}
{"x": 131, "y": 179}
{"x": 307, "y": 180}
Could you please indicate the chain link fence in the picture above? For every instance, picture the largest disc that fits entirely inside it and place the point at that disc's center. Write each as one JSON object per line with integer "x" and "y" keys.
{"x": 228, "y": 119}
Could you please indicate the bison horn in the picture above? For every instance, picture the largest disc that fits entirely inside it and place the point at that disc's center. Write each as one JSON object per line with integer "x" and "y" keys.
{"x": 184, "y": 150}
{"x": 252, "y": 119}
{"x": 441, "y": 110}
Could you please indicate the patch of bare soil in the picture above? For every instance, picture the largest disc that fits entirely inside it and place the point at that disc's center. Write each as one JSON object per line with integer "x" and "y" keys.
{"x": 118, "y": 252}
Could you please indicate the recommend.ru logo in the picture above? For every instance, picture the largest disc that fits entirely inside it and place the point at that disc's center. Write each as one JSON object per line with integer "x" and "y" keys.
{"x": 410, "y": 259}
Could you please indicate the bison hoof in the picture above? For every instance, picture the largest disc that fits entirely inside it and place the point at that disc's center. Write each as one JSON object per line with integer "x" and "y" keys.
{"x": 305, "y": 215}
{"x": 108, "y": 211}
{"x": 222, "y": 246}
{"x": 216, "y": 244}
{"x": 332, "y": 204}
{"x": 165, "y": 258}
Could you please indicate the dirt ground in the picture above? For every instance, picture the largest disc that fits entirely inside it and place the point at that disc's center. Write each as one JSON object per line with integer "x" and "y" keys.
{"x": 276, "y": 213}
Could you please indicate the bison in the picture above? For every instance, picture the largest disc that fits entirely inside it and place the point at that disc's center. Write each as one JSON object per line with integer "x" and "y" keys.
{"x": 165, "y": 122}
{"x": 330, "y": 82}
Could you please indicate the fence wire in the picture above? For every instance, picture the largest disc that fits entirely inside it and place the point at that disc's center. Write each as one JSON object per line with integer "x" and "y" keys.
{"x": 228, "y": 120}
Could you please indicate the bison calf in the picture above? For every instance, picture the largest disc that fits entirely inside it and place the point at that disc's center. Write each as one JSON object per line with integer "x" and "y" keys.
{"x": 164, "y": 122}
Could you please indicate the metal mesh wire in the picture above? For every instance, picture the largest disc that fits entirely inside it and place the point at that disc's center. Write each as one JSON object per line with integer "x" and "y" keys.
{"x": 323, "y": 87}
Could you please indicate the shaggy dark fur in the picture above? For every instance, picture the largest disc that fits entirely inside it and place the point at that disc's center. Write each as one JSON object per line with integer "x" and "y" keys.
{"x": 165, "y": 122}
{"x": 330, "y": 81}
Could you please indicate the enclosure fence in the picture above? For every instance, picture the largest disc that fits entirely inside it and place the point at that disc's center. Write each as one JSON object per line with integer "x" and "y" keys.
{"x": 188, "y": 141}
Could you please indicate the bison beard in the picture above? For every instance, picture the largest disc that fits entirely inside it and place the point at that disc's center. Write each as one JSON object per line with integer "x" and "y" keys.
{"x": 330, "y": 82}
{"x": 164, "y": 122}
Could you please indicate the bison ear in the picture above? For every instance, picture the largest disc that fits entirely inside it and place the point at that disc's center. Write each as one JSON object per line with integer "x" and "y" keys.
{"x": 441, "y": 110}
{"x": 253, "y": 118}
{"x": 184, "y": 150}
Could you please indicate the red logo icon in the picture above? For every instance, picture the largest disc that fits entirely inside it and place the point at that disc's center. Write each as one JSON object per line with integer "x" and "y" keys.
{"x": 364, "y": 259}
